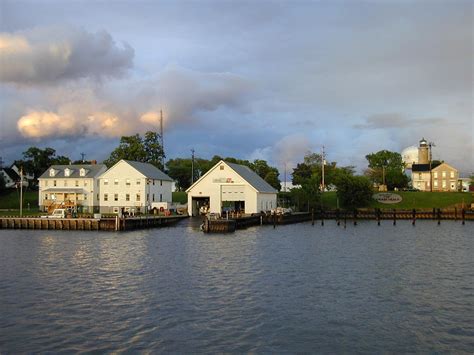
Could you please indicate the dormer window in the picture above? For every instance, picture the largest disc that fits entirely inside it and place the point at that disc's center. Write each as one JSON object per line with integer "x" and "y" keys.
{"x": 82, "y": 172}
{"x": 52, "y": 172}
{"x": 67, "y": 172}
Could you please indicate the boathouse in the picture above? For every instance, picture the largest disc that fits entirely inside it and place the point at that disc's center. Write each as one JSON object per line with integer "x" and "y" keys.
{"x": 133, "y": 186}
{"x": 228, "y": 186}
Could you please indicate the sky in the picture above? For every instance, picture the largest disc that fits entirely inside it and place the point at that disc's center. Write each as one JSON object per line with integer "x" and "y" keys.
{"x": 249, "y": 79}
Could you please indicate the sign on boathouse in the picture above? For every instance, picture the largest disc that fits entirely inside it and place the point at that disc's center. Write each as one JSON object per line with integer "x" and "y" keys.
{"x": 387, "y": 198}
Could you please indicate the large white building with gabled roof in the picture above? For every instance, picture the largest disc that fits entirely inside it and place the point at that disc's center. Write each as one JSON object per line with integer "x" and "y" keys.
{"x": 231, "y": 185}
{"x": 133, "y": 186}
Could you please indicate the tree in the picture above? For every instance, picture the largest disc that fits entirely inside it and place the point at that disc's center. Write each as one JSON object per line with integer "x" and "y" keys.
{"x": 136, "y": 148}
{"x": 36, "y": 160}
{"x": 353, "y": 191}
{"x": 387, "y": 163}
{"x": 180, "y": 171}
{"x": 2, "y": 183}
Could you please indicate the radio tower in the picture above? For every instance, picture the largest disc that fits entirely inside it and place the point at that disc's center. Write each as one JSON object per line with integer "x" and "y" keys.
{"x": 162, "y": 141}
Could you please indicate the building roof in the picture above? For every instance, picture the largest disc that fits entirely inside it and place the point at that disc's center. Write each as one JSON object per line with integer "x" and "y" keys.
{"x": 252, "y": 178}
{"x": 92, "y": 170}
{"x": 11, "y": 174}
{"x": 150, "y": 171}
{"x": 423, "y": 167}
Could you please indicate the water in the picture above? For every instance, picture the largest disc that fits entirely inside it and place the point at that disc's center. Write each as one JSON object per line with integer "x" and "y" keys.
{"x": 294, "y": 289}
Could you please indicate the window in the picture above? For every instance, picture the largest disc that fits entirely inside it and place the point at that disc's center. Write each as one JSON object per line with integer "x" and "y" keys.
{"x": 127, "y": 182}
{"x": 153, "y": 182}
{"x": 451, "y": 174}
{"x": 161, "y": 182}
{"x": 85, "y": 196}
{"x": 148, "y": 197}
{"x": 138, "y": 197}
{"x": 161, "y": 197}
{"x": 116, "y": 210}
{"x": 52, "y": 172}
{"x": 45, "y": 196}
{"x": 221, "y": 167}
{"x": 444, "y": 174}
{"x": 67, "y": 172}
{"x": 444, "y": 184}
{"x": 419, "y": 176}
{"x": 138, "y": 181}
{"x": 115, "y": 197}
{"x": 54, "y": 182}
{"x": 106, "y": 197}
{"x": 46, "y": 183}
{"x": 435, "y": 174}
{"x": 419, "y": 184}
{"x": 82, "y": 172}
{"x": 153, "y": 196}
{"x": 85, "y": 182}
{"x": 77, "y": 183}
{"x": 106, "y": 181}
{"x": 65, "y": 182}
{"x": 116, "y": 182}
{"x": 127, "y": 197}
{"x": 435, "y": 183}
{"x": 97, "y": 197}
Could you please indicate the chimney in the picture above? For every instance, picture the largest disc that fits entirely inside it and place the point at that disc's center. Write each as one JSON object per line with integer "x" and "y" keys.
{"x": 93, "y": 162}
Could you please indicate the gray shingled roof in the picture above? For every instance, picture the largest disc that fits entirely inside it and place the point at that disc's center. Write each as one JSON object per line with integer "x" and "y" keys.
{"x": 150, "y": 171}
{"x": 252, "y": 178}
{"x": 92, "y": 171}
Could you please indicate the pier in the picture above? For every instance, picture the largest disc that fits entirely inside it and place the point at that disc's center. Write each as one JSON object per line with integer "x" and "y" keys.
{"x": 230, "y": 225}
{"x": 89, "y": 224}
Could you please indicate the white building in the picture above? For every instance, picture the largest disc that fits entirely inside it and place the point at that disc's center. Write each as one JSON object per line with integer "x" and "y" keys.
{"x": 71, "y": 185}
{"x": 133, "y": 186}
{"x": 231, "y": 185}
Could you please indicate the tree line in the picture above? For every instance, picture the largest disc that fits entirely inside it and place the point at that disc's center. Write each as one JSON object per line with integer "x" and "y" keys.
{"x": 353, "y": 190}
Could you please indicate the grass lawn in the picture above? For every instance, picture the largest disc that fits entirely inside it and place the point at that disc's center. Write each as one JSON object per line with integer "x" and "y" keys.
{"x": 10, "y": 199}
{"x": 418, "y": 200}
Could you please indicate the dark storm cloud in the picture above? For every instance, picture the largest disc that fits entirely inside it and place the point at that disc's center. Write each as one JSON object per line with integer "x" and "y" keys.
{"x": 56, "y": 54}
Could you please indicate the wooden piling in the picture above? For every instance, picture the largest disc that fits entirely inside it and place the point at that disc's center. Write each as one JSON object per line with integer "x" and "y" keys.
{"x": 439, "y": 216}
{"x": 337, "y": 217}
{"x": 463, "y": 214}
{"x": 322, "y": 217}
{"x": 413, "y": 221}
{"x": 312, "y": 217}
{"x": 377, "y": 214}
{"x": 355, "y": 216}
{"x": 394, "y": 216}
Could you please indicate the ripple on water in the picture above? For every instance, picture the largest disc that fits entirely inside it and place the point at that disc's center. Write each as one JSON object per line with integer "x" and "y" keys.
{"x": 296, "y": 288}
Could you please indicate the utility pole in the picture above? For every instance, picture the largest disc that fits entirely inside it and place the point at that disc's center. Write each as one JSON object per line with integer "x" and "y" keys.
{"x": 192, "y": 166}
{"x": 82, "y": 157}
{"x": 431, "y": 144}
{"x": 322, "y": 169}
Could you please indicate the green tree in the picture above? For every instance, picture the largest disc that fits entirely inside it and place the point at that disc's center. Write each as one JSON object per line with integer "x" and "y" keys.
{"x": 36, "y": 160}
{"x": 353, "y": 191}
{"x": 180, "y": 171}
{"x": 153, "y": 149}
{"x": 136, "y": 148}
{"x": 2, "y": 183}
{"x": 391, "y": 165}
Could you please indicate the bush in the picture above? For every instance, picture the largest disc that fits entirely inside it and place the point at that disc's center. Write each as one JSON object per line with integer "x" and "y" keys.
{"x": 354, "y": 191}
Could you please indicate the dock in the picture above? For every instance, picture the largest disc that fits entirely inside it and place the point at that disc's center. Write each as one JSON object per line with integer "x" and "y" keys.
{"x": 89, "y": 224}
{"x": 230, "y": 225}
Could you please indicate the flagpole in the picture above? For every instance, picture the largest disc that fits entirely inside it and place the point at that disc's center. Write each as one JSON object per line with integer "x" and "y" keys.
{"x": 21, "y": 192}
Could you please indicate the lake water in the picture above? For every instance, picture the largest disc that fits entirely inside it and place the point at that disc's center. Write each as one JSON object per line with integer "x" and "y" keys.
{"x": 295, "y": 288}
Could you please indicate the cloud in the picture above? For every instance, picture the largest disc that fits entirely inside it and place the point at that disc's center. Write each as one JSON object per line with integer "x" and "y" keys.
{"x": 52, "y": 55}
{"x": 395, "y": 120}
{"x": 41, "y": 124}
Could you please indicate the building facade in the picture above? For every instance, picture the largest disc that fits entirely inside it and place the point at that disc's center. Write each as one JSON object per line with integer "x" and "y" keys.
{"x": 70, "y": 185}
{"x": 233, "y": 186}
{"x": 131, "y": 186}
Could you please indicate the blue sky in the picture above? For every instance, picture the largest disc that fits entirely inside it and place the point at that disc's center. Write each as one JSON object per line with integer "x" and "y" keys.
{"x": 268, "y": 79}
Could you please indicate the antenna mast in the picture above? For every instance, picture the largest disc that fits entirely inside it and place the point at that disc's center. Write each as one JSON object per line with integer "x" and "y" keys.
{"x": 161, "y": 139}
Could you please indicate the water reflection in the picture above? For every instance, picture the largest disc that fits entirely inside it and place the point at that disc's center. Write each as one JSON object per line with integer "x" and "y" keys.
{"x": 295, "y": 288}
